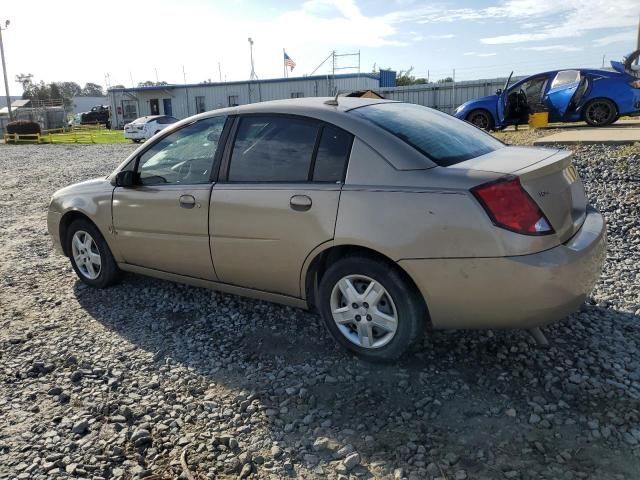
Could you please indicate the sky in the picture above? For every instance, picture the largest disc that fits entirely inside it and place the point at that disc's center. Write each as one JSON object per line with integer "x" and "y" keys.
{"x": 137, "y": 40}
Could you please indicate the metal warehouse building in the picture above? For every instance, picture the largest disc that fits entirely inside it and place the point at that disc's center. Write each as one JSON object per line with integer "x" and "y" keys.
{"x": 181, "y": 101}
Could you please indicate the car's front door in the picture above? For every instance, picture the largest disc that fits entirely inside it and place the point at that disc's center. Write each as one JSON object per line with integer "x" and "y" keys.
{"x": 561, "y": 92}
{"x": 502, "y": 100}
{"x": 162, "y": 221}
{"x": 276, "y": 200}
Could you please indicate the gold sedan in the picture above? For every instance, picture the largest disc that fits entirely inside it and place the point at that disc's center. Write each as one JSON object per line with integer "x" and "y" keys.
{"x": 382, "y": 216}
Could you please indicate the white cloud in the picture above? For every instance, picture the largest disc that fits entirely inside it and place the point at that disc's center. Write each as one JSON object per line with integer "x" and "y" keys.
{"x": 628, "y": 36}
{"x": 443, "y": 37}
{"x": 476, "y": 54}
{"x": 552, "y": 48}
{"x": 574, "y": 18}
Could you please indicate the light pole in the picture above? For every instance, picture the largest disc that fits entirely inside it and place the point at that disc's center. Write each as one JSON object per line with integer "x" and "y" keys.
{"x": 253, "y": 75}
{"x": 4, "y": 69}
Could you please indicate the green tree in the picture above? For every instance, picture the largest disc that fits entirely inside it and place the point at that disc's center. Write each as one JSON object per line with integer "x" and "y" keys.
{"x": 92, "y": 90}
{"x": 70, "y": 89}
{"x": 445, "y": 80}
{"x": 405, "y": 78}
{"x": 149, "y": 83}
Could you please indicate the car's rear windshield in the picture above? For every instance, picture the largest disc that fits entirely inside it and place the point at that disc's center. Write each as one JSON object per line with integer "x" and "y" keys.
{"x": 442, "y": 138}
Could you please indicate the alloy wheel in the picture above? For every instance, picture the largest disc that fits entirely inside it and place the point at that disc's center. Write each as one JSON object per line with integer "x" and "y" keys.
{"x": 364, "y": 311}
{"x": 599, "y": 113}
{"x": 480, "y": 120}
{"x": 86, "y": 255}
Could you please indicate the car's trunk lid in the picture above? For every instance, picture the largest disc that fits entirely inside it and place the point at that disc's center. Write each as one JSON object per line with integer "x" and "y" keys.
{"x": 548, "y": 176}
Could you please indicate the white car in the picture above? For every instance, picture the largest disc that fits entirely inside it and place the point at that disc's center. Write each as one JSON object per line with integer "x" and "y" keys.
{"x": 144, "y": 128}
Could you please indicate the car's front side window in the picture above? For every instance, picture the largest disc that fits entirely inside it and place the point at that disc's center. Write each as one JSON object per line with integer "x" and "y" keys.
{"x": 183, "y": 157}
{"x": 273, "y": 149}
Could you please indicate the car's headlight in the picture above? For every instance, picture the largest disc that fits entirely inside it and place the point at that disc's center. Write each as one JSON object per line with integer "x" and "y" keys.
{"x": 634, "y": 84}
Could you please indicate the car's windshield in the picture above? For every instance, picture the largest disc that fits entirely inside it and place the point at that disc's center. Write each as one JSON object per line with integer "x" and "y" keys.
{"x": 442, "y": 138}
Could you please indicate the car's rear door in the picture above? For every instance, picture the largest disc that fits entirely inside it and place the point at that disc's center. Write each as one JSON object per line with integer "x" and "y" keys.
{"x": 276, "y": 199}
{"x": 561, "y": 92}
{"x": 162, "y": 221}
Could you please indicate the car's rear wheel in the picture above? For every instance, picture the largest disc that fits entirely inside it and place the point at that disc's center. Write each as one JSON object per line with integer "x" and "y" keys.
{"x": 600, "y": 112}
{"x": 90, "y": 255}
{"x": 135, "y": 140}
{"x": 370, "y": 308}
{"x": 481, "y": 119}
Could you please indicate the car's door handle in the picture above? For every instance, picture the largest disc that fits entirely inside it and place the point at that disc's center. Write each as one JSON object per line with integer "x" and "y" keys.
{"x": 300, "y": 203}
{"x": 187, "y": 201}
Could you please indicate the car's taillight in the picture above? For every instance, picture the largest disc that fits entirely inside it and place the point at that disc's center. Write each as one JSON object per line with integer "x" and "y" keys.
{"x": 509, "y": 206}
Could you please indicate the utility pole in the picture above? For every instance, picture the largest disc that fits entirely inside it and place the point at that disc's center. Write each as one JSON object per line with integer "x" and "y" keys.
{"x": 253, "y": 75}
{"x": 4, "y": 69}
{"x": 220, "y": 72}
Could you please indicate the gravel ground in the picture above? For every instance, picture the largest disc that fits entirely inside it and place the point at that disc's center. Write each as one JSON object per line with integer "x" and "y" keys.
{"x": 158, "y": 380}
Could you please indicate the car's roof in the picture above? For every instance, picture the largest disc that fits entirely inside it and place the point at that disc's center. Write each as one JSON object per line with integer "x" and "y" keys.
{"x": 301, "y": 106}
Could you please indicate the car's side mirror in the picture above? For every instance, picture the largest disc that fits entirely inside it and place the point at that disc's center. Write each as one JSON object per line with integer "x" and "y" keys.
{"x": 499, "y": 91}
{"x": 125, "y": 178}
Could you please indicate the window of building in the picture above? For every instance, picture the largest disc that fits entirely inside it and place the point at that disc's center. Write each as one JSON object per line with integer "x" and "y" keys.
{"x": 184, "y": 157}
{"x": 200, "y": 106}
{"x": 297, "y": 94}
{"x": 333, "y": 152}
{"x": 233, "y": 101}
{"x": 273, "y": 149}
{"x": 129, "y": 110}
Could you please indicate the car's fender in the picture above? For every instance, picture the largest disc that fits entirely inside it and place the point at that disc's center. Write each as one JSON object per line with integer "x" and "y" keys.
{"x": 91, "y": 199}
{"x": 488, "y": 103}
{"x": 618, "y": 90}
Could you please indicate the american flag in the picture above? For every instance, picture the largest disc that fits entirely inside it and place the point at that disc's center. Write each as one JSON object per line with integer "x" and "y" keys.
{"x": 289, "y": 62}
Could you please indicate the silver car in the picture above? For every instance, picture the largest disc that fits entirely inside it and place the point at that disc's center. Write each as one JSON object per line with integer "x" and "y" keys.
{"x": 385, "y": 217}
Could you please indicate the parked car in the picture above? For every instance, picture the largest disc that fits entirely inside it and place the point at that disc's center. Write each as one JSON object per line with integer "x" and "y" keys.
{"x": 598, "y": 97}
{"x": 382, "y": 216}
{"x": 100, "y": 114}
{"x": 144, "y": 128}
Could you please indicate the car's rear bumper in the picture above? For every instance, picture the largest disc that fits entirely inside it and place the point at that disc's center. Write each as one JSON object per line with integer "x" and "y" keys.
{"x": 513, "y": 292}
{"x": 136, "y": 135}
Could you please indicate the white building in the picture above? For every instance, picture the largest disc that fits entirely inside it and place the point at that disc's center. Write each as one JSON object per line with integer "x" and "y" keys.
{"x": 182, "y": 101}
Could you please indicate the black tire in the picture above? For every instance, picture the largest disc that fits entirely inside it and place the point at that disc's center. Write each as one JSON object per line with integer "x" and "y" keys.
{"x": 135, "y": 140}
{"x": 109, "y": 273}
{"x": 411, "y": 311}
{"x": 482, "y": 119}
{"x": 600, "y": 112}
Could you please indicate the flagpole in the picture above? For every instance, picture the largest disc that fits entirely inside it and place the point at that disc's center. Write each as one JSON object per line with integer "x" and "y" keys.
{"x": 284, "y": 63}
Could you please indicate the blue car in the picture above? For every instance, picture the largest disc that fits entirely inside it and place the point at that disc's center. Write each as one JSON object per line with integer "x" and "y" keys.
{"x": 598, "y": 97}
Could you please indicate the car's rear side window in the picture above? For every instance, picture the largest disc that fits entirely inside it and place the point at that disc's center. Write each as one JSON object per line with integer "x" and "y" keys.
{"x": 333, "y": 152}
{"x": 440, "y": 137}
{"x": 272, "y": 149}
{"x": 278, "y": 148}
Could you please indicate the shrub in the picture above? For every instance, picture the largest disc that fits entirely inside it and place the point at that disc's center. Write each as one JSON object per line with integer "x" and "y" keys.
{"x": 23, "y": 127}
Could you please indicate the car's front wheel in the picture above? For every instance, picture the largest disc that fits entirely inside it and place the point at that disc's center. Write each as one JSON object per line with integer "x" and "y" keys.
{"x": 481, "y": 119}
{"x": 600, "y": 112}
{"x": 370, "y": 308}
{"x": 90, "y": 255}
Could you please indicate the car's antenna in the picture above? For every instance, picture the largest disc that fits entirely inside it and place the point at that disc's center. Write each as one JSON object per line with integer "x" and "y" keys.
{"x": 334, "y": 101}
